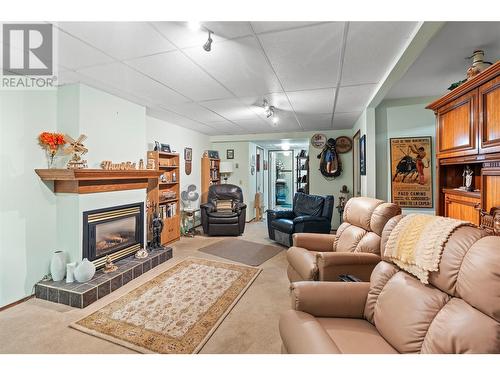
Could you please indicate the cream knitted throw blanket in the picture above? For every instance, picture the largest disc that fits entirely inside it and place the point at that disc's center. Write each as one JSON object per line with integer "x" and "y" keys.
{"x": 417, "y": 242}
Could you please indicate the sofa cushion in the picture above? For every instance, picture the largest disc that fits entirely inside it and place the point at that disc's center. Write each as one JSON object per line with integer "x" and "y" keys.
{"x": 283, "y": 225}
{"x": 223, "y": 217}
{"x": 355, "y": 336}
{"x": 308, "y": 205}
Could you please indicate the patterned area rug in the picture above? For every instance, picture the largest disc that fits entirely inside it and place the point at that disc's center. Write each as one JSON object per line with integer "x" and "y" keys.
{"x": 174, "y": 313}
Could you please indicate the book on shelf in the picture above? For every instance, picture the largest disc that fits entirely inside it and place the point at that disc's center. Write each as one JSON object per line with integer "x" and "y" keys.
{"x": 168, "y": 210}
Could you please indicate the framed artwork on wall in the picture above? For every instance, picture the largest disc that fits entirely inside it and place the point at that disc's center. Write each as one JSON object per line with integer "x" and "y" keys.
{"x": 411, "y": 172}
{"x": 188, "y": 154}
{"x": 362, "y": 155}
{"x": 230, "y": 154}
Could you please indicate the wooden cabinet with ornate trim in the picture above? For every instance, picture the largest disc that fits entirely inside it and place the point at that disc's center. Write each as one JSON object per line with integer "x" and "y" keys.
{"x": 468, "y": 134}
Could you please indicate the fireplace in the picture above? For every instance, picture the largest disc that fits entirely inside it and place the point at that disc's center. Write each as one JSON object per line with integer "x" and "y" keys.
{"x": 114, "y": 231}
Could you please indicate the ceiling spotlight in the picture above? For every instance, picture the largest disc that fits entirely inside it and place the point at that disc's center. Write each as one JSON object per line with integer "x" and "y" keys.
{"x": 266, "y": 106}
{"x": 194, "y": 25}
{"x": 208, "y": 45}
{"x": 270, "y": 111}
{"x": 275, "y": 119}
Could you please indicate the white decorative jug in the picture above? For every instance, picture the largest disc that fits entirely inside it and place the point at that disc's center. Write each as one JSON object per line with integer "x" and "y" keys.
{"x": 84, "y": 271}
{"x": 58, "y": 266}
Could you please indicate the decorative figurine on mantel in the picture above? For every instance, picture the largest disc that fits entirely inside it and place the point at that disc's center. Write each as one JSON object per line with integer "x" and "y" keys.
{"x": 141, "y": 254}
{"x": 342, "y": 201}
{"x": 467, "y": 178}
{"x": 109, "y": 266}
{"x": 156, "y": 228}
{"x": 76, "y": 148}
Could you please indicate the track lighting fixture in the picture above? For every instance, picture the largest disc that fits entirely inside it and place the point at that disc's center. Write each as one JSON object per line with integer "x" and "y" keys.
{"x": 275, "y": 119}
{"x": 266, "y": 106}
{"x": 208, "y": 45}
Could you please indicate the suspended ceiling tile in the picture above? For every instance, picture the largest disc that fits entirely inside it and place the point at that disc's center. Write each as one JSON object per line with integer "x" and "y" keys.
{"x": 305, "y": 58}
{"x": 179, "y": 73}
{"x": 345, "y": 120}
{"x": 312, "y": 101}
{"x": 270, "y": 26}
{"x": 193, "y": 111}
{"x": 316, "y": 121}
{"x": 74, "y": 54}
{"x": 354, "y": 98}
{"x": 239, "y": 65}
{"x": 122, "y": 40}
{"x": 372, "y": 49}
{"x": 128, "y": 80}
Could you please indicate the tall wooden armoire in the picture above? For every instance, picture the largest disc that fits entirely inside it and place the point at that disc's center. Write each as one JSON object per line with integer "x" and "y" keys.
{"x": 468, "y": 133}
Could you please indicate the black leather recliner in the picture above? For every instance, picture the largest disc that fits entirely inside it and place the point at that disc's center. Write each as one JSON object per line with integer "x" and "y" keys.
{"x": 310, "y": 214}
{"x": 223, "y": 223}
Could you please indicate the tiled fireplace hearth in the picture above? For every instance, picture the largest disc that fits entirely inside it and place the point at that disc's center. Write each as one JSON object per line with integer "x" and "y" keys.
{"x": 81, "y": 295}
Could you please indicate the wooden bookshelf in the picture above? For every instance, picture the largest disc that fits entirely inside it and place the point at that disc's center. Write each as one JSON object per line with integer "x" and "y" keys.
{"x": 210, "y": 175}
{"x": 168, "y": 164}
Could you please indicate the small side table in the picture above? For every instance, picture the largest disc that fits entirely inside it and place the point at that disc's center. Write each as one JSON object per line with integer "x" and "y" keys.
{"x": 189, "y": 214}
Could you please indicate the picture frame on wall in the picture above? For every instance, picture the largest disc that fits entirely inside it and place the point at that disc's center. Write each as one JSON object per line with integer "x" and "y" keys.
{"x": 362, "y": 155}
{"x": 230, "y": 154}
{"x": 411, "y": 172}
{"x": 188, "y": 154}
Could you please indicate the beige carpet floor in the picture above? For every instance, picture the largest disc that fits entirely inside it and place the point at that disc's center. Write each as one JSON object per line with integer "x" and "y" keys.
{"x": 38, "y": 326}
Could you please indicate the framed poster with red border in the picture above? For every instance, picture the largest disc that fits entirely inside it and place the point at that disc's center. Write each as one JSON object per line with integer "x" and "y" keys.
{"x": 411, "y": 172}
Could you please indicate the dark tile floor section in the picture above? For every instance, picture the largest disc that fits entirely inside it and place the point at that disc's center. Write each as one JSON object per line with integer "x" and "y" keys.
{"x": 83, "y": 294}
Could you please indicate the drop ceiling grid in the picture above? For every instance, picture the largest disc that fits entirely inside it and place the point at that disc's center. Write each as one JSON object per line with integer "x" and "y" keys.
{"x": 306, "y": 105}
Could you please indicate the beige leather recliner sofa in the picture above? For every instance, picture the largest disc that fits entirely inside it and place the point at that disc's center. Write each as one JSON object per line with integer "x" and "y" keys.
{"x": 354, "y": 250}
{"x": 457, "y": 312}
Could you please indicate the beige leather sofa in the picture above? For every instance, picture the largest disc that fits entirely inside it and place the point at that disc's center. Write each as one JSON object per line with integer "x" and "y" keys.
{"x": 354, "y": 250}
{"x": 458, "y": 312}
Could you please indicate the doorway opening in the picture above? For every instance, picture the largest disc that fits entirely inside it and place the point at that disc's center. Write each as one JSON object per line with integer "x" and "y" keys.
{"x": 281, "y": 179}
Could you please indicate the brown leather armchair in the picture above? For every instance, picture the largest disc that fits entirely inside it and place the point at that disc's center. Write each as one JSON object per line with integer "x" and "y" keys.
{"x": 354, "y": 250}
{"x": 457, "y": 312}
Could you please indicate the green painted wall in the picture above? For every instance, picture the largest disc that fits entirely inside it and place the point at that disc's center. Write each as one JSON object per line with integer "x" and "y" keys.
{"x": 27, "y": 205}
{"x": 401, "y": 118}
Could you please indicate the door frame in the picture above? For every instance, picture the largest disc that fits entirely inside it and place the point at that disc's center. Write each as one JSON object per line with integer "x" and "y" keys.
{"x": 269, "y": 195}
{"x": 355, "y": 164}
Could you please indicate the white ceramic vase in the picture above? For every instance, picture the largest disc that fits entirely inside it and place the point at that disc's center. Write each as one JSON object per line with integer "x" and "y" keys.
{"x": 58, "y": 266}
{"x": 84, "y": 271}
{"x": 70, "y": 272}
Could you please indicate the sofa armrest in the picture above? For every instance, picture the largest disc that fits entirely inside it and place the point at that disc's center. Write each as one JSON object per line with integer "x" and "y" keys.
{"x": 314, "y": 241}
{"x": 335, "y": 300}
{"x": 311, "y": 224}
{"x": 333, "y": 264}
{"x": 240, "y": 206}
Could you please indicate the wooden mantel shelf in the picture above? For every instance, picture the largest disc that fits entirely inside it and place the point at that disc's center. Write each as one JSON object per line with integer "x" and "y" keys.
{"x": 85, "y": 181}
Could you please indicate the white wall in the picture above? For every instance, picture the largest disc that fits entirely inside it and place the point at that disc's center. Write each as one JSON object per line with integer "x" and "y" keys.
{"x": 27, "y": 205}
{"x": 178, "y": 138}
{"x": 402, "y": 118}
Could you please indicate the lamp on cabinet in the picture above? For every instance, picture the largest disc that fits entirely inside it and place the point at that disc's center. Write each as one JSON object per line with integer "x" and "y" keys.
{"x": 226, "y": 168}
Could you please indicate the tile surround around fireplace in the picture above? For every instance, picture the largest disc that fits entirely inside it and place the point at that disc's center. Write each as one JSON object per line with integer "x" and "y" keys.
{"x": 81, "y": 295}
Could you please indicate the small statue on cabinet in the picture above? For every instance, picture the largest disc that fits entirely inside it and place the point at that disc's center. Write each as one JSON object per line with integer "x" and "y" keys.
{"x": 156, "y": 228}
{"x": 141, "y": 163}
{"x": 467, "y": 178}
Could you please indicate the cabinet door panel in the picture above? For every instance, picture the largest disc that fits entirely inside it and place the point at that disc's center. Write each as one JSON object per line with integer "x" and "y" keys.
{"x": 489, "y": 118}
{"x": 462, "y": 208}
{"x": 491, "y": 190}
{"x": 457, "y": 127}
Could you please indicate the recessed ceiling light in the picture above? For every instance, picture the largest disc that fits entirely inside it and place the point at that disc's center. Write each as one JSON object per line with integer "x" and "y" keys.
{"x": 285, "y": 147}
{"x": 194, "y": 25}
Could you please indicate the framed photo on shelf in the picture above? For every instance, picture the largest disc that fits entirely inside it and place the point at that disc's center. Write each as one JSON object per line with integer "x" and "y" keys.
{"x": 188, "y": 154}
{"x": 411, "y": 172}
{"x": 230, "y": 154}
{"x": 362, "y": 155}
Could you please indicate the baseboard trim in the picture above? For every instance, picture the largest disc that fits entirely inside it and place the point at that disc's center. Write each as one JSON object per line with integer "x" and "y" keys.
{"x": 16, "y": 302}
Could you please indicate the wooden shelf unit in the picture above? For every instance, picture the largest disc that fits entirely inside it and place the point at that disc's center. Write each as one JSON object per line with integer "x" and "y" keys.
{"x": 302, "y": 171}
{"x": 468, "y": 133}
{"x": 210, "y": 175}
{"x": 167, "y": 164}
